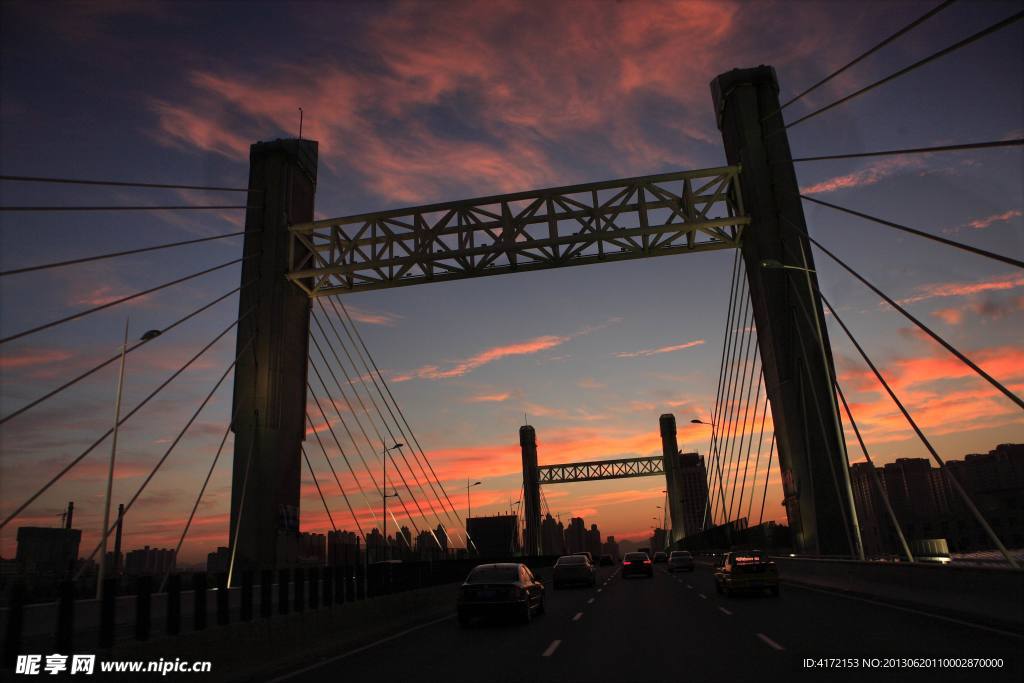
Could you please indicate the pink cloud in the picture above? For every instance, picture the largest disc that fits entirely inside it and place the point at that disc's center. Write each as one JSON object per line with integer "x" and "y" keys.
{"x": 490, "y": 398}
{"x": 372, "y": 318}
{"x": 956, "y": 289}
{"x": 483, "y": 358}
{"x": 664, "y": 349}
{"x": 982, "y": 223}
{"x": 32, "y": 358}
{"x": 874, "y": 173}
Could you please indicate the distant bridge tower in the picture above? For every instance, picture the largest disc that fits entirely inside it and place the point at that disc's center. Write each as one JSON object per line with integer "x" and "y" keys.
{"x": 531, "y": 491}
{"x": 673, "y": 478}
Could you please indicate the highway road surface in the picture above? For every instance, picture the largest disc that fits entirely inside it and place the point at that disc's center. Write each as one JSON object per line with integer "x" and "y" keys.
{"x": 676, "y": 628}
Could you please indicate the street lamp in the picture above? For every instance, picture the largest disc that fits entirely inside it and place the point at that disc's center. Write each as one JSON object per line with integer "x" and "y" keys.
{"x": 151, "y": 334}
{"x": 469, "y": 507}
{"x": 384, "y": 492}
{"x": 702, "y": 422}
{"x": 773, "y": 264}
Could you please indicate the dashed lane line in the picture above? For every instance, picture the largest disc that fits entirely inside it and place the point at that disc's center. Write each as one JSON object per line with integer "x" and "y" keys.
{"x": 689, "y": 586}
{"x": 724, "y": 611}
{"x": 551, "y": 648}
{"x": 599, "y": 590}
{"x": 590, "y": 601}
{"x": 702, "y": 596}
{"x": 579, "y": 615}
{"x": 771, "y": 643}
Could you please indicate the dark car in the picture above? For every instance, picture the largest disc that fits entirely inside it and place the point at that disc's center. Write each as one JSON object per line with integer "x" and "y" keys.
{"x": 637, "y": 563}
{"x": 742, "y": 571}
{"x": 503, "y": 589}
{"x": 680, "y": 561}
{"x": 575, "y": 569}
{"x": 606, "y": 561}
{"x": 586, "y": 554}
{"x": 660, "y": 557}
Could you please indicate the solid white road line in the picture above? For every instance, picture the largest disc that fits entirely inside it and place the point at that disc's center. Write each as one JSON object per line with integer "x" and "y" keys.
{"x": 724, "y": 611}
{"x": 579, "y": 615}
{"x": 702, "y": 596}
{"x": 551, "y": 648}
{"x": 590, "y": 601}
{"x": 292, "y": 674}
{"x": 771, "y": 643}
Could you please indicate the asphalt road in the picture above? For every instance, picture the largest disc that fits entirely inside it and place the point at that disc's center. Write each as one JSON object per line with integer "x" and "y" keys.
{"x": 676, "y": 628}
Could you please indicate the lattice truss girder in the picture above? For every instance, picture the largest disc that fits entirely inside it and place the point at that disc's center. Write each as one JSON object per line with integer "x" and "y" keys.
{"x": 613, "y": 220}
{"x": 596, "y": 470}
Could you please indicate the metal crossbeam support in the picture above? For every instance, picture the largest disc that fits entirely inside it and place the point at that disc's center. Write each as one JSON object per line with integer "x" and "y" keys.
{"x": 616, "y": 220}
{"x": 597, "y": 470}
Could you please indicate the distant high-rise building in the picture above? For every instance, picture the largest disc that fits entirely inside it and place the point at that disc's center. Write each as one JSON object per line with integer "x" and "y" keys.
{"x": 576, "y": 536}
{"x": 593, "y": 542}
{"x": 442, "y": 536}
{"x": 218, "y": 561}
{"x": 693, "y": 477}
{"x": 312, "y": 549}
{"x": 658, "y": 539}
{"x": 342, "y": 548}
{"x": 496, "y": 536}
{"x": 148, "y": 561}
{"x": 610, "y": 547}
{"x": 47, "y": 550}
{"x": 407, "y": 535}
{"x": 552, "y": 536}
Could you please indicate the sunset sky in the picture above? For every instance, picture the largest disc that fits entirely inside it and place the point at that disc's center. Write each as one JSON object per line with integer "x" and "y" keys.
{"x": 431, "y": 101}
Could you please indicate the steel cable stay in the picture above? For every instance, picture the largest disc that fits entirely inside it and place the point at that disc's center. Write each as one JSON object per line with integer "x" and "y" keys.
{"x": 906, "y": 29}
{"x": 724, "y": 414}
{"x": 124, "y": 419}
{"x": 920, "y": 233}
{"x": 718, "y": 393}
{"x": 383, "y": 492}
{"x": 115, "y": 357}
{"x": 742, "y": 424}
{"x": 327, "y": 509}
{"x": 130, "y": 297}
{"x": 167, "y": 453}
{"x": 732, "y": 414}
{"x": 369, "y": 373}
{"x": 355, "y": 415}
{"x": 405, "y": 434}
{"x": 760, "y": 442}
{"x": 975, "y": 512}
{"x": 166, "y": 207}
{"x": 1012, "y": 142}
{"x": 767, "y": 475}
{"x": 750, "y": 444}
{"x": 946, "y": 345}
{"x": 124, "y": 183}
{"x": 127, "y": 252}
{"x": 875, "y": 479}
{"x": 344, "y": 455}
{"x": 907, "y": 69}
{"x": 341, "y": 488}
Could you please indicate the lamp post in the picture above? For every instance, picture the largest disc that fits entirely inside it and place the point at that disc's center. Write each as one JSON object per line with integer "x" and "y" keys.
{"x": 385, "y": 496}
{"x": 469, "y": 508}
{"x": 152, "y": 334}
{"x": 702, "y": 422}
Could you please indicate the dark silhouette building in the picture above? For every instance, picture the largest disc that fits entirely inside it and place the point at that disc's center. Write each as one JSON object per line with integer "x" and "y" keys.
{"x": 693, "y": 483}
{"x": 610, "y": 547}
{"x": 218, "y": 561}
{"x": 47, "y": 550}
{"x": 552, "y": 536}
{"x": 312, "y": 549}
{"x": 576, "y": 536}
{"x": 148, "y": 561}
{"x": 342, "y": 548}
{"x": 495, "y": 536}
{"x": 593, "y": 542}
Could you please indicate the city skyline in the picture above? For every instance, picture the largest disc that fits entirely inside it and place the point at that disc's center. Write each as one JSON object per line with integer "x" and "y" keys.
{"x": 592, "y": 356}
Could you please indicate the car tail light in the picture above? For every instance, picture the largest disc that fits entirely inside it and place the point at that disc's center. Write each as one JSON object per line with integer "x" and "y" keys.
{"x": 647, "y": 561}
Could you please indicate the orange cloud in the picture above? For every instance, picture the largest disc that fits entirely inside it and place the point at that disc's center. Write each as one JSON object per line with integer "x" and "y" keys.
{"x": 991, "y": 309}
{"x": 982, "y": 223}
{"x": 874, "y": 173}
{"x": 490, "y": 398}
{"x": 483, "y": 358}
{"x": 664, "y": 349}
{"x": 954, "y": 289}
{"x": 371, "y": 318}
{"x": 26, "y": 359}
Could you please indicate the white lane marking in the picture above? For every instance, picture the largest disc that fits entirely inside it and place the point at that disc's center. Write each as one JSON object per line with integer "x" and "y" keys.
{"x": 551, "y": 648}
{"x": 702, "y": 596}
{"x": 599, "y": 590}
{"x": 579, "y": 615}
{"x": 970, "y": 624}
{"x": 590, "y": 601}
{"x": 689, "y": 586}
{"x": 297, "y": 672}
{"x": 724, "y": 611}
{"x": 771, "y": 643}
